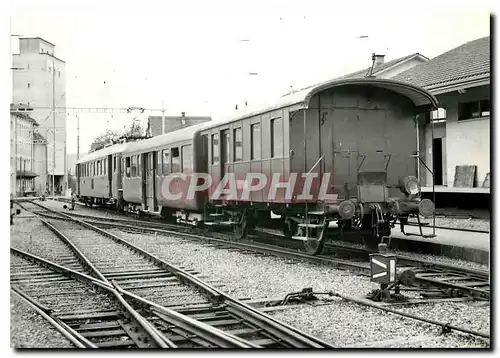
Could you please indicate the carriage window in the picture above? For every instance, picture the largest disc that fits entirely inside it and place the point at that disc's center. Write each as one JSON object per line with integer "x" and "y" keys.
{"x": 138, "y": 173}
{"x": 158, "y": 162}
{"x": 98, "y": 172}
{"x": 187, "y": 157}
{"x": 238, "y": 145}
{"x": 105, "y": 166}
{"x": 133, "y": 166}
{"x": 255, "y": 141}
{"x": 276, "y": 138}
{"x": 166, "y": 161}
{"x": 215, "y": 149}
{"x": 114, "y": 164}
{"x": 226, "y": 151}
{"x": 127, "y": 166}
{"x": 175, "y": 160}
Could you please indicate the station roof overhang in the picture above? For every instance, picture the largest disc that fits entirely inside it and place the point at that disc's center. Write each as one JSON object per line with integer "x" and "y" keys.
{"x": 25, "y": 174}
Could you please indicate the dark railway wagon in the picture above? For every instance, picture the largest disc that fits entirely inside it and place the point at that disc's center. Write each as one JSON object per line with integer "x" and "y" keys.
{"x": 349, "y": 146}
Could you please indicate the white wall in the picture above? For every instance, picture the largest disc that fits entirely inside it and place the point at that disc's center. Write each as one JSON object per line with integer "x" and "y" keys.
{"x": 468, "y": 143}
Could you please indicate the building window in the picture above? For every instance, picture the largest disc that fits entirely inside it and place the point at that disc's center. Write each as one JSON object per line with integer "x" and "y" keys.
{"x": 238, "y": 145}
{"x": 255, "y": 141}
{"x": 166, "y": 161}
{"x": 475, "y": 109}
{"x": 175, "y": 160}
{"x": 215, "y": 149}
{"x": 276, "y": 138}
{"x": 187, "y": 158}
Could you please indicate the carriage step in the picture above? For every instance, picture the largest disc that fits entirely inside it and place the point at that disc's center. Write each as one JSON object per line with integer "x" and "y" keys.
{"x": 311, "y": 225}
{"x": 220, "y": 223}
{"x": 316, "y": 213}
{"x": 301, "y": 238}
{"x": 216, "y": 214}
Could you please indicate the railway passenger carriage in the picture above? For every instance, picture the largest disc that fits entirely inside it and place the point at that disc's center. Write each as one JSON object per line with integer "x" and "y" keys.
{"x": 150, "y": 169}
{"x": 99, "y": 178}
{"x": 341, "y": 157}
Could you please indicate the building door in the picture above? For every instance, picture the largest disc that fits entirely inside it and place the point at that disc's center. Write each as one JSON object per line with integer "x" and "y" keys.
{"x": 437, "y": 161}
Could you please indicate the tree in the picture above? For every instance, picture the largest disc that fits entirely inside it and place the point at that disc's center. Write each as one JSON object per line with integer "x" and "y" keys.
{"x": 134, "y": 131}
{"x": 101, "y": 140}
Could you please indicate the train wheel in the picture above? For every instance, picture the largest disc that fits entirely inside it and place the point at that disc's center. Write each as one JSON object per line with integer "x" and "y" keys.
{"x": 244, "y": 226}
{"x": 371, "y": 242}
{"x": 315, "y": 245}
{"x": 289, "y": 228}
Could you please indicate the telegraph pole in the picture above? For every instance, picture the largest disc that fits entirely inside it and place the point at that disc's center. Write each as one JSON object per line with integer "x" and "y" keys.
{"x": 77, "y": 136}
{"x": 162, "y": 118}
{"x": 53, "y": 127}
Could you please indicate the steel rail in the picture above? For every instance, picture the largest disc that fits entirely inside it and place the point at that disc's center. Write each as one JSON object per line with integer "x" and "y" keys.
{"x": 193, "y": 326}
{"x": 337, "y": 263}
{"x": 285, "y": 333}
{"x": 196, "y": 327}
{"x": 450, "y": 228}
{"x": 149, "y": 330}
{"x": 423, "y": 319}
{"x": 78, "y": 340}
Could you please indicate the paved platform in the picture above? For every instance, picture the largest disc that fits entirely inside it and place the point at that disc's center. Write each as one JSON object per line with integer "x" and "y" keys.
{"x": 446, "y": 189}
{"x": 471, "y": 246}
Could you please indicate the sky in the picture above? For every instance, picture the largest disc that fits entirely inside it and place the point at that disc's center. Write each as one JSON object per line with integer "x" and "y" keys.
{"x": 197, "y": 57}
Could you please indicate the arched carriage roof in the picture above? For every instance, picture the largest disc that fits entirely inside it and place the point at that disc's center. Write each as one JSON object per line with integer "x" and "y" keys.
{"x": 420, "y": 97}
{"x": 104, "y": 152}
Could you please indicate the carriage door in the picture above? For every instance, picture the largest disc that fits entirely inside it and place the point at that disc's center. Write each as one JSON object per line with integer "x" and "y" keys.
{"x": 225, "y": 151}
{"x": 149, "y": 176}
{"x": 109, "y": 171}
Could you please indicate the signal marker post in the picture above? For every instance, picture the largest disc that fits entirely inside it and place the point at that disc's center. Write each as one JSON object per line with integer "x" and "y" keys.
{"x": 383, "y": 271}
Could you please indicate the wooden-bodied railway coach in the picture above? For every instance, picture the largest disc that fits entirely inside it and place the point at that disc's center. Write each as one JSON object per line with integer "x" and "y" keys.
{"x": 342, "y": 156}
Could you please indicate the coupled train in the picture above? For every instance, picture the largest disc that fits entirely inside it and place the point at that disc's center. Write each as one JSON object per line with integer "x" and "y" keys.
{"x": 337, "y": 157}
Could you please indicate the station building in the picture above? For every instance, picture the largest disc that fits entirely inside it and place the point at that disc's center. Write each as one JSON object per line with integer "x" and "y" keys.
{"x": 28, "y": 152}
{"x": 158, "y": 125}
{"x": 458, "y": 134}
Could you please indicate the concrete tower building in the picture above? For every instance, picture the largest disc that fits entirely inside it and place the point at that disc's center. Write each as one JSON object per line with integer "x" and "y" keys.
{"x": 39, "y": 81}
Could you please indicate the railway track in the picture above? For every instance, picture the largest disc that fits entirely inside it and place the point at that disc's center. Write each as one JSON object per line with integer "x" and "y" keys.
{"x": 142, "y": 277}
{"x": 453, "y": 280}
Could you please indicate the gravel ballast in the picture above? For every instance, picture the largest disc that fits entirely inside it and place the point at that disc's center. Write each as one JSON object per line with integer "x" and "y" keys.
{"x": 341, "y": 323}
{"x": 30, "y": 330}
